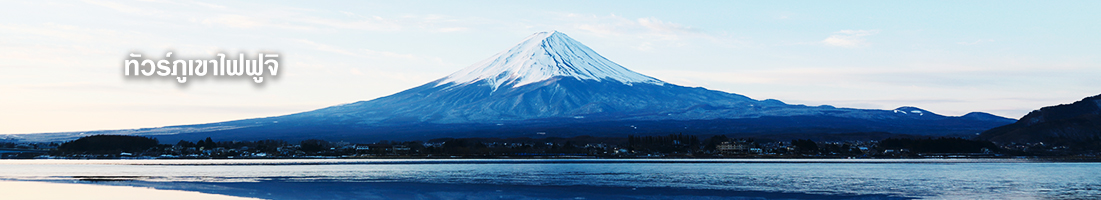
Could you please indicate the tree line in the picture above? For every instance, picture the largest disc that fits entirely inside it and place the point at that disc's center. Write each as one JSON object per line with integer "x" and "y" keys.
{"x": 674, "y": 145}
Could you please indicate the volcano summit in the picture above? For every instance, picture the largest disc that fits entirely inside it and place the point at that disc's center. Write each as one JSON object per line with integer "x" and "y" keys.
{"x": 555, "y": 86}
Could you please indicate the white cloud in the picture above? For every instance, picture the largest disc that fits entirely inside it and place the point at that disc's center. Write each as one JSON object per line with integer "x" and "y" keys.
{"x": 125, "y": 8}
{"x": 619, "y": 26}
{"x": 452, "y": 29}
{"x": 208, "y": 5}
{"x": 304, "y": 21}
{"x": 657, "y": 25}
{"x": 359, "y": 22}
{"x": 604, "y": 26}
{"x": 645, "y": 46}
{"x": 849, "y": 38}
{"x": 328, "y": 48}
{"x": 975, "y": 42}
{"x": 647, "y": 32}
{"x": 367, "y": 53}
{"x": 280, "y": 17}
{"x": 235, "y": 21}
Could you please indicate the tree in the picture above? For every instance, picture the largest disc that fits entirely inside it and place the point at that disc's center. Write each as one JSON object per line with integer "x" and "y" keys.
{"x": 313, "y": 145}
{"x": 805, "y": 146}
{"x": 183, "y": 143}
{"x": 209, "y": 144}
{"x": 108, "y": 144}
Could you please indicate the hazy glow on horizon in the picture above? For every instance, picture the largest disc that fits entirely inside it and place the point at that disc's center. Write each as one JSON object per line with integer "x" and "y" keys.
{"x": 61, "y": 61}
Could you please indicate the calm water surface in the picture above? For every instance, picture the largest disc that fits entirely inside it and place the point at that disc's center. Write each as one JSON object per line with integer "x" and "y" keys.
{"x": 581, "y": 179}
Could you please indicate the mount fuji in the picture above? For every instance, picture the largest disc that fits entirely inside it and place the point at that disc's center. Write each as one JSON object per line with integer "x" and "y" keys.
{"x": 551, "y": 85}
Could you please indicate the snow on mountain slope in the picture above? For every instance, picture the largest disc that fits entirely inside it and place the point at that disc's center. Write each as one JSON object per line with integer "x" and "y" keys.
{"x": 542, "y": 56}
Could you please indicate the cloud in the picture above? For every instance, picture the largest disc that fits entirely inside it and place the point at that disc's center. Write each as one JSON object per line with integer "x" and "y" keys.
{"x": 657, "y": 25}
{"x": 123, "y": 7}
{"x": 618, "y": 26}
{"x": 42, "y": 44}
{"x": 235, "y": 21}
{"x": 648, "y": 33}
{"x": 849, "y": 38}
{"x": 645, "y": 46}
{"x": 354, "y": 21}
{"x": 604, "y": 26}
{"x": 208, "y": 5}
{"x": 452, "y": 29}
{"x": 303, "y": 21}
{"x": 367, "y": 53}
{"x": 344, "y": 20}
{"x": 283, "y": 17}
{"x": 328, "y": 48}
{"x": 975, "y": 42}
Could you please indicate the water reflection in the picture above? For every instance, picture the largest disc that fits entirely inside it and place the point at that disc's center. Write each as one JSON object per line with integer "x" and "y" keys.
{"x": 874, "y": 179}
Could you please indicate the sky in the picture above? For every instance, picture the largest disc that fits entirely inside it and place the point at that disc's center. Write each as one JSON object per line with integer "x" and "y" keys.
{"x": 61, "y": 61}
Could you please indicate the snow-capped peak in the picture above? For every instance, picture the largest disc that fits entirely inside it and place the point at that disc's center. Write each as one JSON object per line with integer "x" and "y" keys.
{"x": 542, "y": 56}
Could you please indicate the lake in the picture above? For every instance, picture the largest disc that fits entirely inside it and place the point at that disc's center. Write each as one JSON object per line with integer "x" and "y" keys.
{"x": 583, "y": 178}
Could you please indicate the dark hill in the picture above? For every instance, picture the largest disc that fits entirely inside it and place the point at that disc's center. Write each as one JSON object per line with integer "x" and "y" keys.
{"x": 1076, "y": 125}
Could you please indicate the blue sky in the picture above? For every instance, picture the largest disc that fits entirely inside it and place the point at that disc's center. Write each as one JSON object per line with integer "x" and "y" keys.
{"x": 61, "y": 61}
